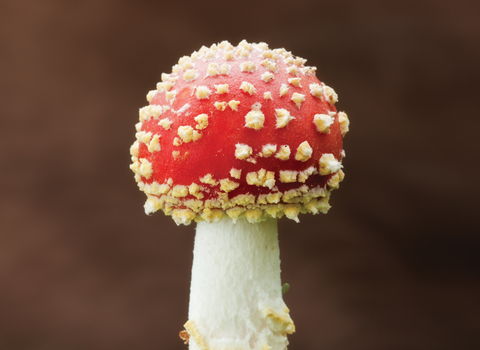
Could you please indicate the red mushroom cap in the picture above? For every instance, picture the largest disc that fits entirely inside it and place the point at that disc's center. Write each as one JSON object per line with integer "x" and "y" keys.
{"x": 240, "y": 131}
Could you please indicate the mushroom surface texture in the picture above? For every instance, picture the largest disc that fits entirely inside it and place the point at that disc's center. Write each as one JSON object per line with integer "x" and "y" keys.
{"x": 234, "y": 138}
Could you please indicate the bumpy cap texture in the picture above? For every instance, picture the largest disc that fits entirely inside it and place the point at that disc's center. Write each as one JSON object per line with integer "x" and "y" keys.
{"x": 239, "y": 131}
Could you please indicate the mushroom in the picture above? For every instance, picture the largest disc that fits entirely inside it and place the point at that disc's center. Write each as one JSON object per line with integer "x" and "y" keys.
{"x": 234, "y": 138}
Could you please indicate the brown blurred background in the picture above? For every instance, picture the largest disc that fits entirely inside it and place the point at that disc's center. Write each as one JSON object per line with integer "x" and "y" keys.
{"x": 394, "y": 265}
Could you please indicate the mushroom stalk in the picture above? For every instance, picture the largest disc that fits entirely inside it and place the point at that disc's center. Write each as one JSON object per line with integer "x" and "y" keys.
{"x": 235, "y": 295}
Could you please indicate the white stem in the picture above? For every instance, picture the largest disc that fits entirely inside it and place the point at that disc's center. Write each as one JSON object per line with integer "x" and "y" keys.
{"x": 235, "y": 296}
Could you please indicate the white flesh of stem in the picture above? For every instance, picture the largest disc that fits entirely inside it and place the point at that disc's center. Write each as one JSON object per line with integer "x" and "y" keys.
{"x": 235, "y": 296}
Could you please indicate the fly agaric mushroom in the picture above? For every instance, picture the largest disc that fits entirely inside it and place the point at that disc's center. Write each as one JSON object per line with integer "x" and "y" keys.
{"x": 235, "y": 138}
